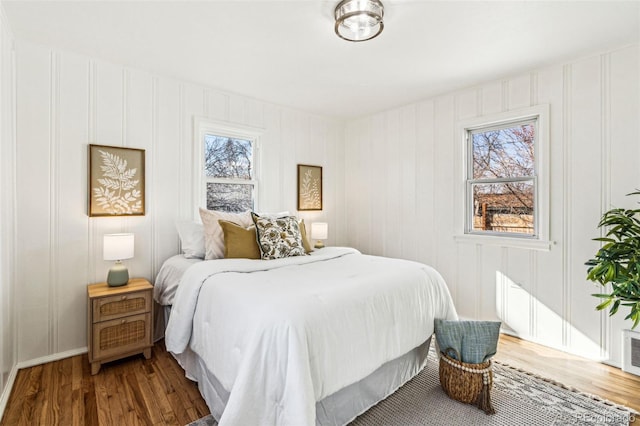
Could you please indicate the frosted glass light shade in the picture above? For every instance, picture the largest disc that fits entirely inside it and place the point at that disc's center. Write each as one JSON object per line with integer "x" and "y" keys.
{"x": 118, "y": 246}
{"x": 319, "y": 231}
{"x": 359, "y": 20}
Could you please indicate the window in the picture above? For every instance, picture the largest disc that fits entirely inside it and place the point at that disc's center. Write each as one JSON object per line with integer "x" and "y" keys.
{"x": 501, "y": 179}
{"x": 227, "y": 166}
{"x": 505, "y": 196}
{"x": 228, "y": 170}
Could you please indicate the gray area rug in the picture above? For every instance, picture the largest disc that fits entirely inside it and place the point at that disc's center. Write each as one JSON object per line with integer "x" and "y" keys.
{"x": 518, "y": 397}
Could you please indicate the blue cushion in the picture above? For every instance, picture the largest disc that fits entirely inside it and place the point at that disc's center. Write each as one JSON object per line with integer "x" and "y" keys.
{"x": 475, "y": 341}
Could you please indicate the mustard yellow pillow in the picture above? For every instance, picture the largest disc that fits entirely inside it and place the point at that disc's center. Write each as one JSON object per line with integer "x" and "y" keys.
{"x": 239, "y": 242}
{"x": 303, "y": 234}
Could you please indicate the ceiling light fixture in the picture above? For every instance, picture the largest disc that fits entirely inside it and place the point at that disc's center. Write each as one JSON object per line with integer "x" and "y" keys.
{"x": 359, "y": 20}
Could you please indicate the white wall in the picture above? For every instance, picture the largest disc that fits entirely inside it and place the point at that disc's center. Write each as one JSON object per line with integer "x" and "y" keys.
{"x": 393, "y": 173}
{"x": 7, "y": 219}
{"x": 401, "y": 180}
{"x": 66, "y": 101}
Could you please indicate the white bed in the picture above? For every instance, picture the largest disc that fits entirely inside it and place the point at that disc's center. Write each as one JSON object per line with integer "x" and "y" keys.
{"x": 303, "y": 340}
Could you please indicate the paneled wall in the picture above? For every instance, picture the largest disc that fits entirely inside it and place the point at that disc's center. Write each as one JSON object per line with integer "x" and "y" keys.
{"x": 7, "y": 195}
{"x": 66, "y": 101}
{"x": 393, "y": 172}
{"x": 402, "y": 180}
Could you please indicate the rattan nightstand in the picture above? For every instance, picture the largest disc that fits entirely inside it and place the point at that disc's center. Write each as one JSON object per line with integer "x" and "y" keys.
{"x": 119, "y": 321}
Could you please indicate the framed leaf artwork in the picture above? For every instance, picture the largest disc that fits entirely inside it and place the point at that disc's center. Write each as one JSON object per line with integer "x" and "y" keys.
{"x": 116, "y": 181}
{"x": 309, "y": 187}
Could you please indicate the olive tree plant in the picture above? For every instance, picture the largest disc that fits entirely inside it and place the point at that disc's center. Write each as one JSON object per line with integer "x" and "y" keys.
{"x": 618, "y": 262}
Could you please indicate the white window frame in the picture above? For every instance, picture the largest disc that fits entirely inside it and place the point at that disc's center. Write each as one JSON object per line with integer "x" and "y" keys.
{"x": 205, "y": 126}
{"x": 540, "y": 239}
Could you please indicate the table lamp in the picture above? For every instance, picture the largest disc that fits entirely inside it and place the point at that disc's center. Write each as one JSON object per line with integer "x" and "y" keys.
{"x": 118, "y": 247}
{"x": 319, "y": 232}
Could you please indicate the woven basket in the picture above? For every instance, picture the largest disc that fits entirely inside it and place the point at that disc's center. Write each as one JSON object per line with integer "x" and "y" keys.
{"x": 468, "y": 383}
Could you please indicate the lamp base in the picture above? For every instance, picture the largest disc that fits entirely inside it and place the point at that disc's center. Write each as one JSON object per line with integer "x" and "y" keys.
{"x": 319, "y": 244}
{"x": 118, "y": 275}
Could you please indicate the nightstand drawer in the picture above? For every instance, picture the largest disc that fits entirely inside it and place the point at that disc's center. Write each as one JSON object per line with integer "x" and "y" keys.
{"x": 121, "y": 335}
{"x": 106, "y": 308}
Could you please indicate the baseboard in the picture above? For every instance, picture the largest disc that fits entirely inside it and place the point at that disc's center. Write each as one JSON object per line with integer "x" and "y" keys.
{"x": 563, "y": 349}
{"x": 50, "y": 358}
{"x": 4, "y": 399}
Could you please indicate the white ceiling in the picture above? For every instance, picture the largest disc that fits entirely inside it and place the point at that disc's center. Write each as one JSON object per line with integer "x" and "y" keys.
{"x": 286, "y": 52}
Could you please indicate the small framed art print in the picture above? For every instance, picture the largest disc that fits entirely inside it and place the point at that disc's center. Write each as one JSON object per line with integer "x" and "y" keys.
{"x": 116, "y": 181}
{"x": 309, "y": 187}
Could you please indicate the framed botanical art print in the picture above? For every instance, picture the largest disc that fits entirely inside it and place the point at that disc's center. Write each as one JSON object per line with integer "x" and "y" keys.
{"x": 309, "y": 187}
{"x": 116, "y": 181}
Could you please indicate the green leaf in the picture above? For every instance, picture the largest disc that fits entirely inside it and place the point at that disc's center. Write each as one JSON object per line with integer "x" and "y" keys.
{"x": 614, "y": 308}
{"x": 604, "y": 239}
{"x": 604, "y": 304}
{"x": 617, "y": 262}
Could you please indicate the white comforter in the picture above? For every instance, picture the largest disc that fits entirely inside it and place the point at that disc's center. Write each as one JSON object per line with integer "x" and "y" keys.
{"x": 280, "y": 335}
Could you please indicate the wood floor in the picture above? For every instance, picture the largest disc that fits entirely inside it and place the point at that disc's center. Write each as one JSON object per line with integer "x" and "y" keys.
{"x": 590, "y": 377}
{"x": 132, "y": 391}
{"x": 135, "y": 391}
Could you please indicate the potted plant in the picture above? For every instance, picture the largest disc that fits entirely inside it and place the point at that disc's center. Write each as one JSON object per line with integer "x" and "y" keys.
{"x": 618, "y": 262}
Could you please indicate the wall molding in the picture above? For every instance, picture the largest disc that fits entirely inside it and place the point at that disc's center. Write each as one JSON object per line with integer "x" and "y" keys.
{"x": 566, "y": 204}
{"x": 155, "y": 131}
{"x": 563, "y": 348}
{"x": 92, "y": 133}
{"x": 51, "y": 358}
{"x": 605, "y": 179}
{"x": 54, "y": 199}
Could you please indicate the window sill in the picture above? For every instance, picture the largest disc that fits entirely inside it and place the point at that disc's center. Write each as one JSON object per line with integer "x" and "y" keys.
{"x": 521, "y": 243}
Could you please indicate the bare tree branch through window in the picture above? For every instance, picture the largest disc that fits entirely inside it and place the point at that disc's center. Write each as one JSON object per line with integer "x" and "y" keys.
{"x": 503, "y": 178}
{"x": 228, "y": 167}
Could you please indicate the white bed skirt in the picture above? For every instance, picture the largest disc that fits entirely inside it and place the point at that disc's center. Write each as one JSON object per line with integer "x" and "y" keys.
{"x": 337, "y": 409}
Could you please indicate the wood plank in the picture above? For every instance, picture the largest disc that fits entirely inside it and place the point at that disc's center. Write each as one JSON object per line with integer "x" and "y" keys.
{"x": 46, "y": 397}
{"x": 177, "y": 389}
{"x": 161, "y": 399}
{"x": 135, "y": 391}
{"x": 115, "y": 397}
{"x": 77, "y": 394}
{"x": 102, "y": 399}
{"x": 65, "y": 370}
{"x": 90, "y": 415}
{"x": 146, "y": 396}
{"x": 131, "y": 415}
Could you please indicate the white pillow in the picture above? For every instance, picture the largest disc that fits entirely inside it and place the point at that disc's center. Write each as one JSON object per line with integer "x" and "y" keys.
{"x": 191, "y": 239}
{"x": 274, "y": 215}
{"x": 213, "y": 235}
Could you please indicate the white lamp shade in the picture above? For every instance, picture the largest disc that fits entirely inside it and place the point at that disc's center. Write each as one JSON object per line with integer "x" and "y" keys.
{"x": 319, "y": 230}
{"x": 118, "y": 246}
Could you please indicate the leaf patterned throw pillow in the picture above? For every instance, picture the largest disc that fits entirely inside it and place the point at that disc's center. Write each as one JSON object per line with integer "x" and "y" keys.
{"x": 278, "y": 237}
